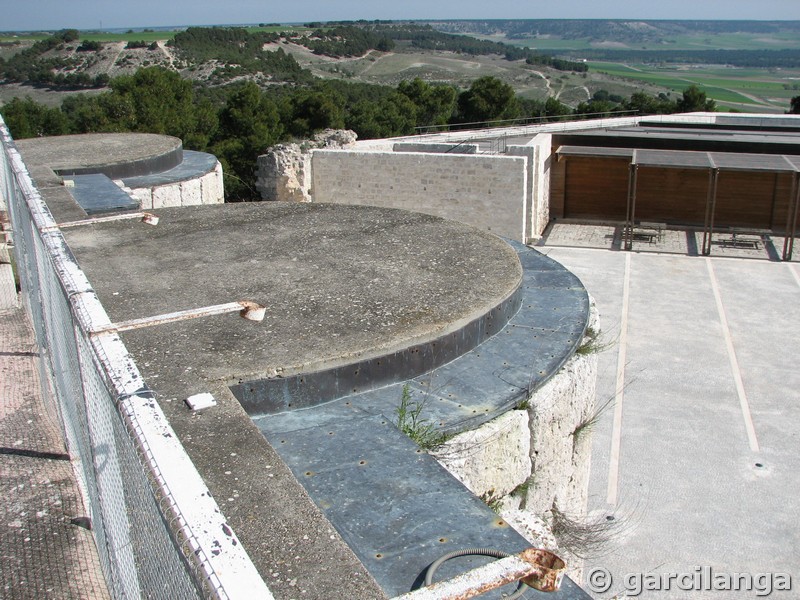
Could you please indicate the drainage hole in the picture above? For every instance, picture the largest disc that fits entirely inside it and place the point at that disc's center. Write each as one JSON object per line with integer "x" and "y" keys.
{"x": 379, "y": 556}
{"x": 759, "y": 465}
{"x": 442, "y": 540}
{"x": 362, "y": 462}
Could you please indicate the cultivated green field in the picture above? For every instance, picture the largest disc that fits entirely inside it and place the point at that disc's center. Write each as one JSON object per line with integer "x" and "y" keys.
{"x": 767, "y": 90}
{"x": 720, "y": 41}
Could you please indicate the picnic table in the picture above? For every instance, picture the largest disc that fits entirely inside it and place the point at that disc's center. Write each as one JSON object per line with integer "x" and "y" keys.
{"x": 741, "y": 237}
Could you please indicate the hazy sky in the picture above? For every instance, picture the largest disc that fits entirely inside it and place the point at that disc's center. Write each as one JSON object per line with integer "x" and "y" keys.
{"x": 89, "y": 14}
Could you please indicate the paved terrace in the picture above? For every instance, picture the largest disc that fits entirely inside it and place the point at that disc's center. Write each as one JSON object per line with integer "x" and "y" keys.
{"x": 695, "y": 457}
{"x": 342, "y": 285}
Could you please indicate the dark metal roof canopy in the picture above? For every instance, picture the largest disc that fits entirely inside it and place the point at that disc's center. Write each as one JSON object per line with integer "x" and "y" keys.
{"x": 713, "y": 162}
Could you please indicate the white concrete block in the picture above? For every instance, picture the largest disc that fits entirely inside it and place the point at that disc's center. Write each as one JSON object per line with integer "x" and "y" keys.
{"x": 493, "y": 459}
{"x": 201, "y": 401}
{"x": 532, "y": 527}
{"x": 191, "y": 192}
{"x": 167, "y": 196}
{"x": 144, "y": 196}
{"x": 212, "y": 189}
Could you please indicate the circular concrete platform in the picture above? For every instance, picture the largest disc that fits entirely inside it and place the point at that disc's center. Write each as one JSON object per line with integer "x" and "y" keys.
{"x": 340, "y": 283}
{"x": 116, "y": 155}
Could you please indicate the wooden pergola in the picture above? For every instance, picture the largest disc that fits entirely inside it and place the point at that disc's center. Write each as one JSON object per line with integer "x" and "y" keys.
{"x": 714, "y": 163}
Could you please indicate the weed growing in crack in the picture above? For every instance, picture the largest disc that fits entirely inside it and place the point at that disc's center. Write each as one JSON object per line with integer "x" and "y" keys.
{"x": 410, "y": 422}
{"x": 494, "y": 503}
{"x": 593, "y": 343}
{"x": 584, "y": 537}
{"x": 586, "y": 425}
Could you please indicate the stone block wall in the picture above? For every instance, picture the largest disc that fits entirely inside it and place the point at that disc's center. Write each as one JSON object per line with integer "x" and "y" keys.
{"x": 486, "y": 191}
{"x": 207, "y": 189}
{"x": 436, "y": 148}
{"x": 529, "y": 461}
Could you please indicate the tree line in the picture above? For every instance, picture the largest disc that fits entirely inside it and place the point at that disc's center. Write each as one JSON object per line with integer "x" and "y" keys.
{"x": 240, "y": 121}
{"x": 29, "y": 65}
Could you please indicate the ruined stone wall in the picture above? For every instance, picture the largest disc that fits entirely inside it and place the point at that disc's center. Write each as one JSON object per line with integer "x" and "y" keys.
{"x": 284, "y": 172}
{"x": 510, "y": 199}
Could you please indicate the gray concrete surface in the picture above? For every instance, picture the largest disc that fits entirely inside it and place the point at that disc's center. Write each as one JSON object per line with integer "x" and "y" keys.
{"x": 43, "y": 554}
{"x": 367, "y": 281}
{"x": 415, "y": 276}
{"x": 700, "y": 349}
{"x": 116, "y": 155}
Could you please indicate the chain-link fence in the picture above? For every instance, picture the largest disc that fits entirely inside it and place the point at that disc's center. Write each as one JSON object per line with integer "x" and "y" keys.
{"x": 154, "y": 521}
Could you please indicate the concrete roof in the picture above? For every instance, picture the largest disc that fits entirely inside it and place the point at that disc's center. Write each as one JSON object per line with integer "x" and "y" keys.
{"x": 116, "y": 155}
{"x": 367, "y": 281}
{"x": 341, "y": 284}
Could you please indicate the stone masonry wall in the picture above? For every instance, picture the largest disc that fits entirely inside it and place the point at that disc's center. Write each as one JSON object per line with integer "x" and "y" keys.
{"x": 486, "y": 191}
{"x": 207, "y": 189}
{"x": 528, "y": 461}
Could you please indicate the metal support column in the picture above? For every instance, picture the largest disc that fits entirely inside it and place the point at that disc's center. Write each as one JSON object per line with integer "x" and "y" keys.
{"x": 711, "y": 204}
{"x": 630, "y": 211}
{"x": 791, "y": 218}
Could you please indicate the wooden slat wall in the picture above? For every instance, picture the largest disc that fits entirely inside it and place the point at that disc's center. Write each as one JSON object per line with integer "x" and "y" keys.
{"x": 671, "y": 195}
{"x": 558, "y": 172}
{"x": 596, "y": 188}
{"x": 783, "y": 200}
{"x": 744, "y": 199}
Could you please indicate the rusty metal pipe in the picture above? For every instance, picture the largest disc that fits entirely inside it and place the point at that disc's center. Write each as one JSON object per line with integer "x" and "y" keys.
{"x": 537, "y": 568}
{"x": 144, "y": 217}
{"x": 247, "y": 309}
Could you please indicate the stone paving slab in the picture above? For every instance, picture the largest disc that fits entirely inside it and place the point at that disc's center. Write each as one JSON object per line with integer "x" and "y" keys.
{"x": 691, "y": 489}
{"x": 42, "y": 553}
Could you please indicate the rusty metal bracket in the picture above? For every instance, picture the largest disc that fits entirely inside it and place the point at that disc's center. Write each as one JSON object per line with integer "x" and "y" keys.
{"x": 246, "y": 309}
{"x": 537, "y": 568}
{"x": 144, "y": 217}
